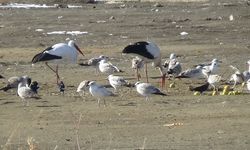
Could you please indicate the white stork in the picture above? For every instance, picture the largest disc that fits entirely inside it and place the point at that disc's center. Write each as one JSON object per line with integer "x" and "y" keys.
{"x": 148, "y": 52}
{"x": 60, "y": 53}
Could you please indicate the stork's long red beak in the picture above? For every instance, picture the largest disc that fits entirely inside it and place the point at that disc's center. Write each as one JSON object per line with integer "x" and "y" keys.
{"x": 78, "y": 49}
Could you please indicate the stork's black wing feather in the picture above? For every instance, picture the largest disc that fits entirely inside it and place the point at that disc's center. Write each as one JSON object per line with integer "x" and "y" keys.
{"x": 44, "y": 57}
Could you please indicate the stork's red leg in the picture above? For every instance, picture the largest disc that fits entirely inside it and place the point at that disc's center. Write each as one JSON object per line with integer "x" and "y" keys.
{"x": 146, "y": 71}
{"x": 55, "y": 71}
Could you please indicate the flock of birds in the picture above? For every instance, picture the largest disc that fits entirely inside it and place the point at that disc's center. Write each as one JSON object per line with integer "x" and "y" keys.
{"x": 145, "y": 52}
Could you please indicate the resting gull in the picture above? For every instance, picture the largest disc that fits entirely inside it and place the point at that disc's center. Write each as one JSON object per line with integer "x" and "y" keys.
{"x": 108, "y": 68}
{"x": 25, "y": 92}
{"x": 83, "y": 87}
{"x": 95, "y": 61}
{"x": 14, "y": 81}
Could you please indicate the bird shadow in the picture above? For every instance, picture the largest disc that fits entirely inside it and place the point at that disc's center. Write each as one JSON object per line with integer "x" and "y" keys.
{"x": 84, "y": 64}
{"x": 107, "y": 86}
{"x": 162, "y": 102}
{"x": 8, "y": 102}
{"x": 128, "y": 104}
{"x": 48, "y": 106}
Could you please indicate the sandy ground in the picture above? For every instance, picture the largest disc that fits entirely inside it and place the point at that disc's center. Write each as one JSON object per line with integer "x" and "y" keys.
{"x": 128, "y": 122}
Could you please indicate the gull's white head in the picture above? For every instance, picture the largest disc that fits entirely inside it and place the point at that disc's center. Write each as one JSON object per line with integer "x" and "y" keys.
{"x": 110, "y": 76}
{"x": 103, "y": 61}
{"x": 215, "y": 65}
{"x": 137, "y": 63}
{"x": 137, "y": 83}
{"x": 216, "y": 60}
{"x": 198, "y": 67}
{"x": 82, "y": 86}
{"x": 172, "y": 56}
{"x": 248, "y": 62}
{"x": 103, "y": 57}
{"x": 91, "y": 83}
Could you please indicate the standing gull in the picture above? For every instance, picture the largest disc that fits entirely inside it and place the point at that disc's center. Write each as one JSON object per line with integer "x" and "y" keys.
{"x": 148, "y": 52}
{"x": 137, "y": 64}
{"x": 246, "y": 74}
{"x": 215, "y": 60}
{"x": 237, "y": 77}
{"x": 192, "y": 73}
{"x": 173, "y": 65}
{"x": 213, "y": 80}
{"x": 60, "y": 53}
{"x": 201, "y": 71}
{"x": 146, "y": 89}
{"x": 99, "y": 91}
{"x": 248, "y": 85}
{"x": 210, "y": 69}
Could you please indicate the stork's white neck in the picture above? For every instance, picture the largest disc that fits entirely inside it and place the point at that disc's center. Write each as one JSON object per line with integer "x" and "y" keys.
{"x": 71, "y": 43}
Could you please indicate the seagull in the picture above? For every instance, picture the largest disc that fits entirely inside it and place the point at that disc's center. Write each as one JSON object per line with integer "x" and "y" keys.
{"x": 14, "y": 81}
{"x": 215, "y": 60}
{"x": 246, "y": 74}
{"x": 25, "y": 92}
{"x": 210, "y": 69}
{"x": 201, "y": 71}
{"x": 173, "y": 65}
{"x": 213, "y": 80}
{"x": 237, "y": 77}
{"x": 148, "y": 52}
{"x": 117, "y": 81}
{"x": 137, "y": 64}
{"x": 248, "y": 85}
{"x": 95, "y": 61}
{"x": 60, "y": 53}
{"x": 83, "y": 87}
{"x": 107, "y": 67}
{"x": 192, "y": 73}
{"x": 146, "y": 89}
{"x": 99, "y": 91}
{"x": 34, "y": 86}
{"x": 201, "y": 88}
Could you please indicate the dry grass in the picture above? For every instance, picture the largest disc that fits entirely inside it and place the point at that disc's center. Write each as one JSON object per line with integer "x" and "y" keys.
{"x": 77, "y": 122}
{"x": 5, "y": 1}
{"x": 10, "y": 138}
{"x": 32, "y": 143}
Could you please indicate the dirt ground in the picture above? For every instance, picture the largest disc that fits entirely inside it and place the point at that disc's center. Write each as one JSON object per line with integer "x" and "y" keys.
{"x": 128, "y": 122}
